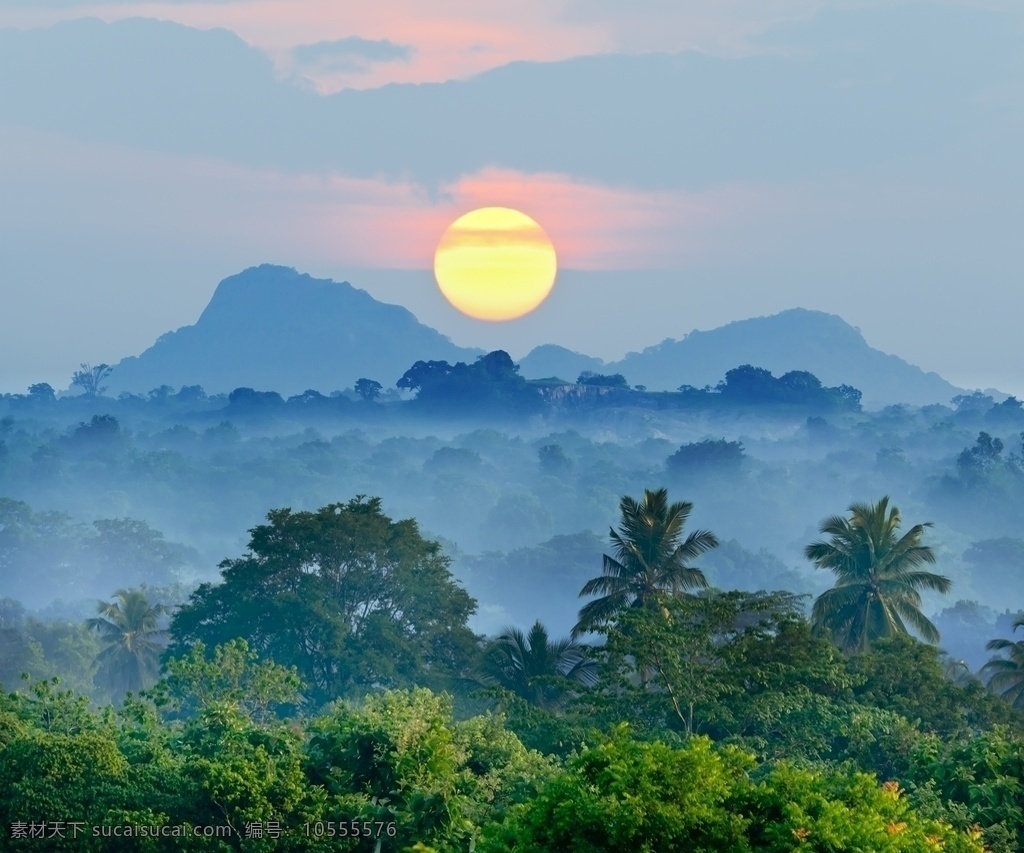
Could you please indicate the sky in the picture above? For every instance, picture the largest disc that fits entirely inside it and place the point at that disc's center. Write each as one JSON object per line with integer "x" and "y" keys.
{"x": 693, "y": 161}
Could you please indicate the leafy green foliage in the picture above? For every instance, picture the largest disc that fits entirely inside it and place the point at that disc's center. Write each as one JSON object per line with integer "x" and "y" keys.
{"x": 671, "y": 662}
{"x": 536, "y": 668}
{"x": 626, "y": 795}
{"x": 235, "y": 771}
{"x": 345, "y": 595}
{"x": 399, "y": 758}
{"x": 650, "y": 557}
{"x": 793, "y": 808}
{"x": 878, "y": 577}
{"x": 232, "y": 676}
{"x": 977, "y": 781}
{"x": 907, "y": 677}
{"x": 1006, "y": 674}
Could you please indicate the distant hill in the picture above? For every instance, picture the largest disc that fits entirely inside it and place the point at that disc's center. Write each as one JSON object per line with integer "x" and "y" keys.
{"x": 796, "y": 339}
{"x": 272, "y": 328}
{"x": 553, "y": 360}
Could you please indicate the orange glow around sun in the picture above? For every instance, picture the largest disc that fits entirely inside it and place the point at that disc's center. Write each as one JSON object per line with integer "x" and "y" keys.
{"x": 495, "y": 263}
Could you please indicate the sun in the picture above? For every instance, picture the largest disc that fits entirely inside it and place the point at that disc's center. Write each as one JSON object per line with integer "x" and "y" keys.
{"x": 495, "y": 263}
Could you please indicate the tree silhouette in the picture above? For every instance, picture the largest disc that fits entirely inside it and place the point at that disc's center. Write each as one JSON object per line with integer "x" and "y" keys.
{"x": 90, "y": 379}
{"x": 368, "y": 389}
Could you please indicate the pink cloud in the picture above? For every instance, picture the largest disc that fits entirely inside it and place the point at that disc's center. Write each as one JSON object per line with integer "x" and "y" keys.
{"x": 210, "y": 205}
{"x": 458, "y": 38}
{"x": 451, "y": 38}
{"x": 379, "y": 224}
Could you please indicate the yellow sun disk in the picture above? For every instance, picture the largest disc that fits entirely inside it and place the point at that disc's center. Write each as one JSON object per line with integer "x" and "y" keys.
{"x": 495, "y": 264}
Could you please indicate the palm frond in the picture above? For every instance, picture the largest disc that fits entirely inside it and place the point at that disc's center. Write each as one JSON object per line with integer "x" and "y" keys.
{"x": 918, "y": 621}
{"x": 650, "y": 555}
{"x": 878, "y": 576}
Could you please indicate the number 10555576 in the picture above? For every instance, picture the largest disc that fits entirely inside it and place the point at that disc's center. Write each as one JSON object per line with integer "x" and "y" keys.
{"x": 351, "y": 829}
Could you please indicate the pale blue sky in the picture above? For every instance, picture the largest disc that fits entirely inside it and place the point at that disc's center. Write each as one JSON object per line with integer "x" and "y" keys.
{"x": 694, "y": 163}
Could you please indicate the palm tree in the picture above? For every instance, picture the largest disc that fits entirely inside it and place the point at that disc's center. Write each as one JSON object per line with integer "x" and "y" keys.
{"x": 878, "y": 577}
{"x": 536, "y": 668}
{"x": 650, "y": 558}
{"x": 130, "y": 633}
{"x": 1006, "y": 675}
{"x": 957, "y": 671}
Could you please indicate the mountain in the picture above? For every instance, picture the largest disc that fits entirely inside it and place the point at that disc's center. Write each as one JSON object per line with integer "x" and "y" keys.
{"x": 796, "y": 339}
{"x": 552, "y": 360}
{"x": 272, "y": 328}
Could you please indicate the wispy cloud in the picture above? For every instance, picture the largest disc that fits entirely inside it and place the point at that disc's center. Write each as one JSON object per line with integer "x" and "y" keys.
{"x": 455, "y": 39}
{"x": 350, "y": 221}
{"x": 451, "y": 38}
{"x": 325, "y": 60}
{"x": 331, "y": 65}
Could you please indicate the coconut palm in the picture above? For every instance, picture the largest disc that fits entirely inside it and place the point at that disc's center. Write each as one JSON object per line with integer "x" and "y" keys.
{"x": 957, "y": 671}
{"x": 651, "y": 558}
{"x": 878, "y": 577}
{"x": 131, "y": 637}
{"x": 536, "y": 668}
{"x": 1006, "y": 674}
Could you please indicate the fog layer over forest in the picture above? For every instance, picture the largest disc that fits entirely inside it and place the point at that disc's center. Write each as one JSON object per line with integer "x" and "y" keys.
{"x": 520, "y": 482}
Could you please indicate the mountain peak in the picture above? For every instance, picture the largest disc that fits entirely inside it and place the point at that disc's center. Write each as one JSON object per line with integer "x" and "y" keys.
{"x": 271, "y": 327}
{"x": 794, "y": 339}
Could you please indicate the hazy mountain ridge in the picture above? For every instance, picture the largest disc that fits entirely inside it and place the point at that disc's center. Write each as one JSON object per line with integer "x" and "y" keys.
{"x": 272, "y": 328}
{"x": 554, "y": 360}
{"x": 796, "y": 339}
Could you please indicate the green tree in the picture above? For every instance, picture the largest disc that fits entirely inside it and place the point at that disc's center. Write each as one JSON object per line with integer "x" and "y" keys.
{"x": 79, "y": 775}
{"x": 1006, "y": 674}
{"x": 649, "y": 797}
{"x": 650, "y": 557}
{"x": 238, "y": 772}
{"x": 131, "y": 636}
{"x": 682, "y": 652}
{"x": 626, "y": 795}
{"x": 350, "y": 598}
{"x": 974, "y": 781}
{"x": 398, "y": 758}
{"x": 536, "y": 668}
{"x": 878, "y": 577}
{"x": 42, "y": 650}
{"x": 904, "y": 675}
{"x": 232, "y": 676}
